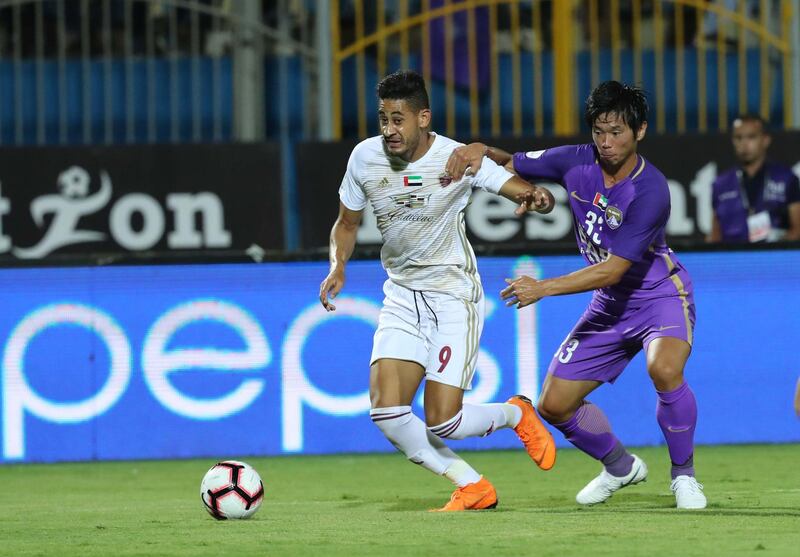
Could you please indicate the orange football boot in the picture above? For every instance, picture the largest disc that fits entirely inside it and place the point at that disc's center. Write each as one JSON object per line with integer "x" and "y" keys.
{"x": 534, "y": 435}
{"x": 473, "y": 497}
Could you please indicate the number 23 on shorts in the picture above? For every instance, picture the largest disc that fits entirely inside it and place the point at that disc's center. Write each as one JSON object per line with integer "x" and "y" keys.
{"x": 566, "y": 350}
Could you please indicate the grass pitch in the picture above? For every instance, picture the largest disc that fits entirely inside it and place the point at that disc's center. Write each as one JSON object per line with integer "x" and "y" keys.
{"x": 375, "y": 505}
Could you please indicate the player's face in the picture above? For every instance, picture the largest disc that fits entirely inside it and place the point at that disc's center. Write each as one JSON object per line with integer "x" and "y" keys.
{"x": 749, "y": 141}
{"x": 615, "y": 140}
{"x": 401, "y": 127}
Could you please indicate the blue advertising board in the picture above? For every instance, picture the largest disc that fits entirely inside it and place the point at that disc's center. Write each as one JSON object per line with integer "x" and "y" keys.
{"x": 234, "y": 360}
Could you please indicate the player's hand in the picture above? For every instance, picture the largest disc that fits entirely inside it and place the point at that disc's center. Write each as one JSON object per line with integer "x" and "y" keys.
{"x": 534, "y": 199}
{"x": 469, "y": 156}
{"x": 330, "y": 287}
{"x": 522, "y": 291}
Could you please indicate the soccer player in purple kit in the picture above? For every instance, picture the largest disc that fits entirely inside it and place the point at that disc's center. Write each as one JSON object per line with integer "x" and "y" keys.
{"x": 642, "y": 294}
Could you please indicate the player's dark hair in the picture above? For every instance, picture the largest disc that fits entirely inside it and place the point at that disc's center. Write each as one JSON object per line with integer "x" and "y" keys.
{"x": 627, "y": 101}
{"x": 406, "y": 85}
{"x": 753, "y": 117}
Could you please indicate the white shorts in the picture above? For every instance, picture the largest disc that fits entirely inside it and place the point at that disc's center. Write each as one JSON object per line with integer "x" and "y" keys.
{"x": 440, "y": 332}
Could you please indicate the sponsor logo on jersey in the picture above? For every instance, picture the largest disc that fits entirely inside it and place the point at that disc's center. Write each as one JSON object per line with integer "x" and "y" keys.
{"x": 613, "y": 217}
{"x": 409, "y": 181}
{"x": 384, "y": 182}
{"x": 600, "y": 200}
{"x": 411, "y": 200}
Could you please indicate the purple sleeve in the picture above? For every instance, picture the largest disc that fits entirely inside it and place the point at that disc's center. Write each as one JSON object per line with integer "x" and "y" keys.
{"x": 548, "y": 164}
{"x": 647, "y": 216}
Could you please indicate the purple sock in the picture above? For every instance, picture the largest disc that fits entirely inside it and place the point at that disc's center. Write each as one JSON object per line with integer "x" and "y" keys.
{"x": 589, "y": 430}
{"x": 619, "y": 461}
{"x": 677, "y": 415}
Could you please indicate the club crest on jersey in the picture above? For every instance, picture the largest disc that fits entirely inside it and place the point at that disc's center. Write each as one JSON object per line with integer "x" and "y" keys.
{"x": 613, "y": 217}
{"x": 600, "y": 200}
{"x": 410, "y": 181}
{"x": 445, "y": 179}
{"x": 411, "y": 200}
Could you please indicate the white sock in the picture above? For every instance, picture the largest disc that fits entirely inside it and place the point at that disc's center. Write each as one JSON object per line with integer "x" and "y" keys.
{"x": 458, "y": 470}
{"x": 478, "y": 420}
{"x": 410, "y": 436}
{"x": 461, "y": 473}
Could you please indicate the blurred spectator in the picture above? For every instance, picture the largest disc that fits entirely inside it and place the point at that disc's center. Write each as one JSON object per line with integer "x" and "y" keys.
{"x": 757, "y": 200}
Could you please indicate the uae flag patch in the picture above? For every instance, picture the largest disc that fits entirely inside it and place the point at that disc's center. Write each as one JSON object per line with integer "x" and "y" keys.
{"x": 412, "y": 181}
{"x": 600, "y": 201}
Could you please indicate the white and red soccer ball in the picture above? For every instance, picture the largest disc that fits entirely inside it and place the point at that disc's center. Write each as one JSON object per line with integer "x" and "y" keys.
{"x": 231, "y": 489}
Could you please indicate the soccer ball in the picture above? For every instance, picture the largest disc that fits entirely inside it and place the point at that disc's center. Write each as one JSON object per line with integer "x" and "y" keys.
{"x": 231, "y": 489}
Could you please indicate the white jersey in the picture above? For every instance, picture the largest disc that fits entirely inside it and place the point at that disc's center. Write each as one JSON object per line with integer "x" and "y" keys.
{"x": 420, "y": 214}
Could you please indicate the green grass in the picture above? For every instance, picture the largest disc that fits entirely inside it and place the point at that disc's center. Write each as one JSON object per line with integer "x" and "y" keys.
{"x": 375, "y": 505}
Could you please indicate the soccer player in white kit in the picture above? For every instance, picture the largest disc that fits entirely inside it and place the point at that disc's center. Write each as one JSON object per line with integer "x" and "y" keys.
{"x": 432, "y": 315}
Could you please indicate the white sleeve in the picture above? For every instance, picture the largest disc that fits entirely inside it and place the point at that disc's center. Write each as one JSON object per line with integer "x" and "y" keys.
{"x": 491, "y": 176}
{"x": 351, "y": 193}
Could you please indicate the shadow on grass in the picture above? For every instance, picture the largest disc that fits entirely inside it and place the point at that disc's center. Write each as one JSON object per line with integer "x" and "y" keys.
{"x": 428, "y": 503}
{"x": 631, "y": 504}
{"x": 767, "y": 512}
{"x": 660, "y": 505}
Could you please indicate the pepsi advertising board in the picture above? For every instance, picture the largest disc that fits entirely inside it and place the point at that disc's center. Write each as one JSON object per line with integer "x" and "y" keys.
{"x": 234, "y": 360}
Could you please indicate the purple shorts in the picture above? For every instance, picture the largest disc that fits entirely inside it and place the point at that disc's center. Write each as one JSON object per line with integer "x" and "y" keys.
{"x": 605, "y": 338}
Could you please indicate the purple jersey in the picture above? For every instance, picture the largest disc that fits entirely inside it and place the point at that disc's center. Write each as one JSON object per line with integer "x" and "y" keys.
{"x": 775, "y": 187}
{"x": 627, "y": 220}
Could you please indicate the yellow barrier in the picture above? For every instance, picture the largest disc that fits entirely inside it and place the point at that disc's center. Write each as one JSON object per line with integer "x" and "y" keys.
{"x": 408, "y": 34}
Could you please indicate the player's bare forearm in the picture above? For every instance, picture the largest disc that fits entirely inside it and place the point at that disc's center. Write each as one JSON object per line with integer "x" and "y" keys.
{"x": 525, "y": 290}
{"x": 342, "y": 244}
{"x": 502, "y": 158}
{"x": 470, "y": 156}
{"x": 602, "y": 275}
{"x": 530, "y": 197}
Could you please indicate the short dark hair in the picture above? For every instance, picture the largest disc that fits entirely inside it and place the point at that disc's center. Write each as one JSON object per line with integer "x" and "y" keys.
{"x": 405, "y": 85}
{"x": 753, "y": 117}
{"x": 628, "y": 101}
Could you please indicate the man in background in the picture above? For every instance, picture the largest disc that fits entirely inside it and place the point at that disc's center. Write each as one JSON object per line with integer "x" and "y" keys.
{"x": 757, "y": 200}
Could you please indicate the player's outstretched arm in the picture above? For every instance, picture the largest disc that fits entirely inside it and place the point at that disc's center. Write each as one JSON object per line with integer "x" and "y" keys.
{"x": 523, "y": 291}
{"x": 471, "y": 156}
{"x": 342, "y": 243}
{"x": 529, "y": 197}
